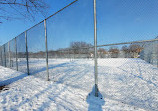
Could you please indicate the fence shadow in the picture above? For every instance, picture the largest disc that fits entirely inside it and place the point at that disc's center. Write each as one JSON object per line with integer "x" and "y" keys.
{"x": 21, "y": 76}
{"x": 11, "y": 80}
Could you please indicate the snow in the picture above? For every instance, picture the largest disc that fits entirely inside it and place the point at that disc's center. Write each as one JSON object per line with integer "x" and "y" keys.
{"x": 7, "y": 76}
{"x": 124, "y": 85}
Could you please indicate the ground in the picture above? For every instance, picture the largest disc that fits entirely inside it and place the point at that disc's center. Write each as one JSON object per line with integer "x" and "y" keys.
{"x": 124, "y": 85}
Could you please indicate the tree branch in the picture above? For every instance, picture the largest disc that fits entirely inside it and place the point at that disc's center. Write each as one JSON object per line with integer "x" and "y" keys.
{"x": 25, "y": 8}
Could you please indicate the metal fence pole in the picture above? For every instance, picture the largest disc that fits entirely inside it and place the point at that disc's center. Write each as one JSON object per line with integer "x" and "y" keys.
{"x": 1, "y": 56}
{"x": 95, "y": 50}
{"x": 69, "y": 54}
{"x": 74, "y": 54}
{"x": 27, "y": 57}
{"x": 5, "y": 57}
{"x": 16, "y": 54}
{"x": 45, "y": 28}
{"x": 9, "y": 54}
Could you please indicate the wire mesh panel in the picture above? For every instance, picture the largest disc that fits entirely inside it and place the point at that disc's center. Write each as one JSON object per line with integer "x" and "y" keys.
{"x": 3, "y": 55}
{"x": 36, "y": 51}
{"x": 130, "y": 20}
{"x": 68, "y": 32}
{"x": 155, "y": 53}
{"x": 128, "y": 73}
{"x": 150, "y": 53}
{"x": 12, "y": 46}
{"x": 7, "y": 56}
{"x": 21, "y": 53}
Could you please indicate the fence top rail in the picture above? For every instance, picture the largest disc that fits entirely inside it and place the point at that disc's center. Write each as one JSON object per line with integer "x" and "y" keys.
{"x": 151, "y": 40}
{"x": 142, "y": 41}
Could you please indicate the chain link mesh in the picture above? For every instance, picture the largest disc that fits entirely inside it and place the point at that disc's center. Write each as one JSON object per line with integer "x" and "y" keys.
{"x": 124, "y": 68}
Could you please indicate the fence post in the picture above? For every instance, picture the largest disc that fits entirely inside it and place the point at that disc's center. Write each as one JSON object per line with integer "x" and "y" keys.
{"x": 95, "y": 50}
{"x": 46, "y": 45}
{"x": 16, "y": 54}
{"x": 1, "y": 56}
{"x": 9, "y": 54}
{"x": 5, "y": 56}
{"x": 74, "y": 54}
{"x": 69, "y": 54}
{"x": 27, "y": 57}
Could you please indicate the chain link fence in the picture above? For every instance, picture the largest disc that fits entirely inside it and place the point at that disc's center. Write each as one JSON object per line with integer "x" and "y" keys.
{"x": 66, "y": 39}
{"x": 57, "y": 38}
{"x": 61, "y": 48}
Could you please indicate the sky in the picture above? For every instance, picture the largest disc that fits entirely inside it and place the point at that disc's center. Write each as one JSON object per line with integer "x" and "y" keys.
{"x": 117, "y": 21}
{"x": 12, "y": 28}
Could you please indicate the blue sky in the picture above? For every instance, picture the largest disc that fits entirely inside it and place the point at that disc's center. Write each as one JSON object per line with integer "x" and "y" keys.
{"x": 127, "y": 20}
{"x": 118, "y": 21}
{"x": 11, "y": 28}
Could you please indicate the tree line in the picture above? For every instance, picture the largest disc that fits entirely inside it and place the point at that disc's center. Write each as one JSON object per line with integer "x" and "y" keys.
{"x": 87, "y": 49}
{"x": 131, "y": 51}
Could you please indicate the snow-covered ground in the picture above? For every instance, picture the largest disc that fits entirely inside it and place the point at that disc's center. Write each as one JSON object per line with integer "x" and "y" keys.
{"x": 124, "y": 85}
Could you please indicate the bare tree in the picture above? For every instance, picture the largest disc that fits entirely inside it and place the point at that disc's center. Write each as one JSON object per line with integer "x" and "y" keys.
{"x": 101, "y": 52}
{"x": 135, "y": 50}
{"x": 126, "y": 51}
{"x": 11, "y": 9}
{"x": 80, "y": 47}
{"x": 114, "y": 51}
